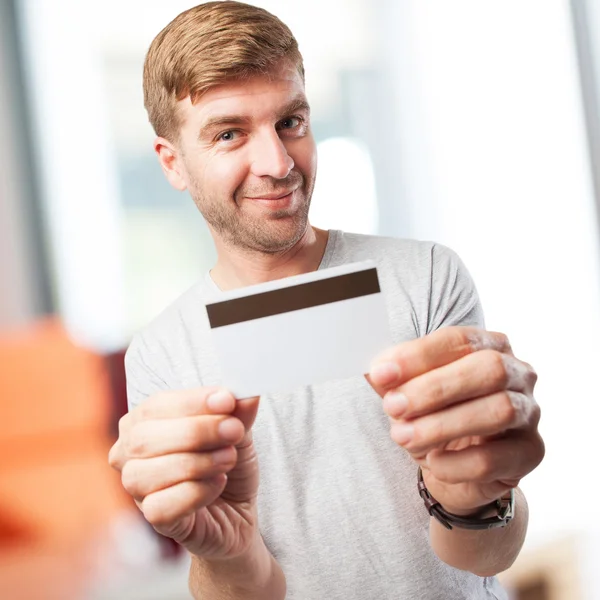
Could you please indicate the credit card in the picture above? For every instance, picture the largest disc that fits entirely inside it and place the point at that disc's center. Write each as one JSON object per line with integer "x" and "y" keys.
{"x": 301, "y": 330}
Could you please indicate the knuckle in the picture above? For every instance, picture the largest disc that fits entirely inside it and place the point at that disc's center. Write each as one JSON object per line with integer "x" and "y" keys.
{"x": 531, "y": 375}
{"x": 437, "y": 430}
{"x": 199, "y": 431}
{"x": 144, "y": 411}
{"x": 153, "y": 514}
{"x": 137, "y": 443}
{"x": 535, "y": 453}
{"x": 123, "y": 423}
{"x": 536, "y": 414}
{"x": 437, "y": 390}
{"x": 504, "y": 412}
{"x": 190, "y": 467}
{"x": 541, "y": 449}
{"x": 503, "y": 343}
{"x": 147, "y": 409}
{"x": 496, "y": 367}
{"x": 430, "y": 432}
{"x": 463, "y": 337}
{"x": 129, "y": 477}
{"x": 114, "y": 456}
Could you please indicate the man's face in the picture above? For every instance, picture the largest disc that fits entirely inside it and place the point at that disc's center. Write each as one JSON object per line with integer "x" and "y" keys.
{"x": 248, "y": 158}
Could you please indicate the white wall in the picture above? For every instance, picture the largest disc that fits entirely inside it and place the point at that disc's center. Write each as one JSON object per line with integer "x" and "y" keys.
{"x": 78, "y": 175}
{"x": 496, "y": 166}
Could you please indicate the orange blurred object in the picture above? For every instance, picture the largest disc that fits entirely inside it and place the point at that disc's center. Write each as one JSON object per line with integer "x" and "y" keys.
{"x": 57, "y": 492}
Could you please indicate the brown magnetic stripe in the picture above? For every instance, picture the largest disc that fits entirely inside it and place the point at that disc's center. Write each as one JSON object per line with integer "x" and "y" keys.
{"x": 297, "y": 297}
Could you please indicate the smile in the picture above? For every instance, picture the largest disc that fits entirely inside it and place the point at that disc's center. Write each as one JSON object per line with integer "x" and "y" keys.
{"x": 274, "y": 201}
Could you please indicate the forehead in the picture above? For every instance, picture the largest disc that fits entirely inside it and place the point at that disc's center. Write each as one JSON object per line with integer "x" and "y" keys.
{"x": 260, "y": 94}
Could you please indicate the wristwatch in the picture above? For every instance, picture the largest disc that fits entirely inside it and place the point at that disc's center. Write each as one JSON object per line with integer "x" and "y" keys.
{"x": 504, "y": 507}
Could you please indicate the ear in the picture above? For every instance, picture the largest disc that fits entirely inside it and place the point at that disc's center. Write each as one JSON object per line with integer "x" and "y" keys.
{"x": 170, "y": 162}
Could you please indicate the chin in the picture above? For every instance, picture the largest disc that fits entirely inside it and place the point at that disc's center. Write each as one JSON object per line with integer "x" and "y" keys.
{"x": 281, "y": 237}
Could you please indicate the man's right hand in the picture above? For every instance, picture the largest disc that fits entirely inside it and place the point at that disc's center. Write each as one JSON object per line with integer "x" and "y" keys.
{"x": 188, "y": 460}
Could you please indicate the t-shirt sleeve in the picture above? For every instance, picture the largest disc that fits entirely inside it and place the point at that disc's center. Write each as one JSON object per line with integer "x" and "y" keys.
{"x": 453, "y": 297}
{"x": 142, "y": 380}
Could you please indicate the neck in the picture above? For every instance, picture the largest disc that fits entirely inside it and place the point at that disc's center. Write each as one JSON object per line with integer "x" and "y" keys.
{"x": 236, "y": 268}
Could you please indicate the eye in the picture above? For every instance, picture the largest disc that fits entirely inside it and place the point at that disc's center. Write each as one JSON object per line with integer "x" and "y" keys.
{"x": 290, "y": 122}
{"x": 228, "y": 136}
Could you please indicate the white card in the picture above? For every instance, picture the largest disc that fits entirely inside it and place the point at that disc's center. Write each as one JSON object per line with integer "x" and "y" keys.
{"x": 301, "y": 330}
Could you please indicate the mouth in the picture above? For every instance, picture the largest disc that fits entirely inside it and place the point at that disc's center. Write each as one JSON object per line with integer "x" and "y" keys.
{"x": 280, "y": 200}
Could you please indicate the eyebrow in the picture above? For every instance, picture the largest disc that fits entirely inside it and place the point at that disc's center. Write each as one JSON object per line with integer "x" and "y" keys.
{"x": 297, "y": 105}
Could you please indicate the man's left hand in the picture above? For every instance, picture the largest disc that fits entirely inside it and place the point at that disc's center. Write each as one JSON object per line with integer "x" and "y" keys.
{"x": 462, "y": 405}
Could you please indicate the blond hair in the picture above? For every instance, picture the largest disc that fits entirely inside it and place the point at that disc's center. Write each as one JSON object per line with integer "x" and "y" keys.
{"x": 208, "y": 45}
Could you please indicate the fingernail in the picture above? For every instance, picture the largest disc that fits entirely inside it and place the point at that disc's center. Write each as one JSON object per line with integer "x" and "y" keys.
{"x": 222, "y": 456}
{"x": 402, "y": 433}
{"x": 230, "y": 429}
{"x": 385, "y": 373}
{"x": 395, "y": 404}
{"x": 217, "y": 400}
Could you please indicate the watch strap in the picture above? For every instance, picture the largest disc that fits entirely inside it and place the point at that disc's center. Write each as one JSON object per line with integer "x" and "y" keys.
{"x": 504, "y": 507}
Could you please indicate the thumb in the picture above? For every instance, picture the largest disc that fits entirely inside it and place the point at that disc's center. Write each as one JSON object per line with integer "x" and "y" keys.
{"x": 246, "y": 411}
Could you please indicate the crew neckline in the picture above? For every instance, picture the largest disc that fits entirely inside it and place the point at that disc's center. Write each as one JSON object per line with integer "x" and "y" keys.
{"x": 325, "y": 260}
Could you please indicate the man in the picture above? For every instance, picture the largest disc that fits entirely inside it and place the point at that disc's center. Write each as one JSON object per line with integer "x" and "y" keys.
{"x": 338, "y": 514}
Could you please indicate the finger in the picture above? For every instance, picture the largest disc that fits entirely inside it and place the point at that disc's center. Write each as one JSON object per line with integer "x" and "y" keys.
{"x": 505, "y": 460}
{"x": 246, "y": 411}
{"x": 164, "y": 508}
{"x": 184, "y": 403}
{"x": 116, "y": 456}
{"x": 489, "y": 415}
{"x": 472, "y": 376}
{"x": 190, "y": 434}
{"x": 141, "y": 477}
{"x": 169, "y": 405}
{"x": 400, "y": 363}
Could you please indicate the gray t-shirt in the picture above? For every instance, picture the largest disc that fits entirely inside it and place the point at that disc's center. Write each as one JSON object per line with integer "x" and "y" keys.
{"x": 338, "y": 501}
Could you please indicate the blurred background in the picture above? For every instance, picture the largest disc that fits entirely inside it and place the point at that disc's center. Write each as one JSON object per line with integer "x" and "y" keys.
{"x": 474, "y": 124}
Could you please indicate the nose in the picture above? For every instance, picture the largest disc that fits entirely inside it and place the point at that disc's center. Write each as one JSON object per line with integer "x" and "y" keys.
{"x": 270, "y": 157}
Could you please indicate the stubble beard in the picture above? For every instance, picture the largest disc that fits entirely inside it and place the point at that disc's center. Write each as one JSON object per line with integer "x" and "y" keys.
{"x": 280, "y": 232}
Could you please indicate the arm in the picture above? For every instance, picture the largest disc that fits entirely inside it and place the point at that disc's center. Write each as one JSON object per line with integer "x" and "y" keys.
{"x": 455, "y": 302}
{"x": 255, "y": 575}
{"x": 462, "y": 405}
{"x": 203, "y": 499}
{"x": 485, "y": 553}
{"x": 249, "y": 574}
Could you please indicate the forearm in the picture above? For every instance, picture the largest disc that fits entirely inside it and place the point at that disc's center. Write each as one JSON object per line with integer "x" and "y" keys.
{"x": 253, "y": 576}
{"x": 487, "y": 552}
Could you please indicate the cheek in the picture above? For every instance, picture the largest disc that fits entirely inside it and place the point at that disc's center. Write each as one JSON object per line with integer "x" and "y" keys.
{"x": 305, "y": 157}
{"x": 222, "y": 174}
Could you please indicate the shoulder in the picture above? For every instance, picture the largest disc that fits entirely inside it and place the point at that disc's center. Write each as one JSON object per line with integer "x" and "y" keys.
{"x": 156, "y": 352}
{"x": 360, "y": 243}
{"x": 429, "y": 277}
{"x": 404, "y": 256}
